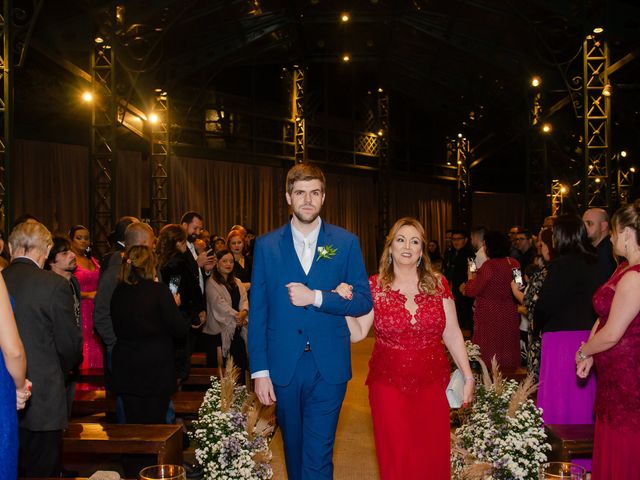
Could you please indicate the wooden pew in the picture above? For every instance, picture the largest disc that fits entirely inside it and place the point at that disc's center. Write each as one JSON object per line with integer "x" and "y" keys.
{"x": 197, "y": 375}
{"x": 164, "y": 441}
{"x": 96, "y": 401}
{"x": 568, "y": 441}
{"x": 200, "y": 376}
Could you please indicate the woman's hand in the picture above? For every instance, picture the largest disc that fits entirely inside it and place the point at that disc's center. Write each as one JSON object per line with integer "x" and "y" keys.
{"x": 344, "y": 290}
{"x": 514, "y": 289}
{"x": 468, "y": 391}
{"x": 176, "y": 298}
{"x": 23, "y": 394}
{"x": 463, "y": 288}
{"x": 584, "y": 367}
{"x": 241, "y": 318}
{"x": 202, "y": 316}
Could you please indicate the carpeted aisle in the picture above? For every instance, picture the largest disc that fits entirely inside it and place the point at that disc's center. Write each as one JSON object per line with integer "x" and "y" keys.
{"x": 354, "y": 456}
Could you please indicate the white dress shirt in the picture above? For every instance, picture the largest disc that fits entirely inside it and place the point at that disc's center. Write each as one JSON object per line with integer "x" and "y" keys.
{"x": 193, "y": 251}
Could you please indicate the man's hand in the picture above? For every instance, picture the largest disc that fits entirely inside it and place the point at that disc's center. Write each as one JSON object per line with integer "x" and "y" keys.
{"x": 212, "y": 260}
{"x": 203, "y": 259}
{"x": 300, "y": 295}
{"x": 264, "y": 390}
{"x": 202, "y": 316}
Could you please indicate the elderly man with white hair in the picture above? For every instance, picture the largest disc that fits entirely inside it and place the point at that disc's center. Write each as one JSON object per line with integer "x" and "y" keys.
{"x": 44, "y": 312}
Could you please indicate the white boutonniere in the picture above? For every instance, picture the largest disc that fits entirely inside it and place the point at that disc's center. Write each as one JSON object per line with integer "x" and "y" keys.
{"x": 326, "y": 251}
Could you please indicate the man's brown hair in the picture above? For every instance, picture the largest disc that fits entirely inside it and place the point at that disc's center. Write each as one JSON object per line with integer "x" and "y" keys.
{"x": 303, "y": 172}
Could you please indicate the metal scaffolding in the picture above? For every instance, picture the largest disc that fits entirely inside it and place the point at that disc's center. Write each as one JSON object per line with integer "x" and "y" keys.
{"x": 160, "y": 151}
{"x": 537, "y": 168}
{"x": 558, "y": 192}
{"x": 624, "y": 180}
{"x": 384, "y": 181}
{"x": 103, "y": 144}
{"x": 298, "y": 114}
{"x": 459, "y": 151}
{"x": 6, "y": 112}
{"x": 597, "y": 130}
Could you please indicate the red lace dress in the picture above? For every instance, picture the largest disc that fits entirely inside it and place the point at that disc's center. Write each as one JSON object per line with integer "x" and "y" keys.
{"x": 408, "y": 376}
{"x": 616, "y": 452}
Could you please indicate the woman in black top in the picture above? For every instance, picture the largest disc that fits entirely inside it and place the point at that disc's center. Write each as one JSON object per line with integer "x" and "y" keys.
{"x": 243, "y": 264}
{"x": 564, "y": 315}
{"x": 146, "y": 322}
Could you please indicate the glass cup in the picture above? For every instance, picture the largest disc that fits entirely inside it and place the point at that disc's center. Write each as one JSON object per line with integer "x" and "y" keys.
{"x": 562, "y": 470}
{"x": 163, "y": 472}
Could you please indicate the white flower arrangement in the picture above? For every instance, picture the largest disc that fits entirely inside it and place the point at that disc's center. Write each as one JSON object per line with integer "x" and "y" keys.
{"x": 232, "y": 430}
{"x": 502, "y": 437}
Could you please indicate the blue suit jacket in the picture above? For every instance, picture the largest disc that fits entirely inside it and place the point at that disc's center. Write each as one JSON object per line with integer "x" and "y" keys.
{"x": 278, "y": 331}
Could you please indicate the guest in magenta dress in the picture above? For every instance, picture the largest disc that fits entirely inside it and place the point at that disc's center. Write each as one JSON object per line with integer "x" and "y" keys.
{"x": 496, "y": 322}
{"x": 413, "y": 314}
{"x": 614, "y": 345}
{"x": 87, "y": 274}
{"x": 564, "y": 316}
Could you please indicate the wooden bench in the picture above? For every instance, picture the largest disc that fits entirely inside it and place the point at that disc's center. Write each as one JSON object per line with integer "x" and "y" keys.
{"x": 200, "y": 376}
{"x": 164, "y": 441}
{"x": 569, "y": 441}
{"x": 96, "y": 401}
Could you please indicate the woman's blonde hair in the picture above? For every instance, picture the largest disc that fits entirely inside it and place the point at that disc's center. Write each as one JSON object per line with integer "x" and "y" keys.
{"x": 428, "y": 281}
{"x": 138, "y": 263}
{"x": 628, "y": 216}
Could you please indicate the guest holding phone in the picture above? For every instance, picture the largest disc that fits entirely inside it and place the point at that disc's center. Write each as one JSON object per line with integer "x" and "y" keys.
{"x": 174, "y": 271}
{"x": 496, "y": 321}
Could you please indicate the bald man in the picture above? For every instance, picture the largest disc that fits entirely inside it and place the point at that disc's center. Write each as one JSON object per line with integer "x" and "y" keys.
{"x": 596, "y": 221}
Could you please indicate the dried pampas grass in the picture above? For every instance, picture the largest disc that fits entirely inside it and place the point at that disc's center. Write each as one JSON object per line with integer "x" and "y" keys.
{"x": 524, "y": 391}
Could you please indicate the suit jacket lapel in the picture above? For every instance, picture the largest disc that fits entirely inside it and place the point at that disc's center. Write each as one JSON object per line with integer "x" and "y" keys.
{"x": 324, "y": 239}
{"x": 289, "y": 255}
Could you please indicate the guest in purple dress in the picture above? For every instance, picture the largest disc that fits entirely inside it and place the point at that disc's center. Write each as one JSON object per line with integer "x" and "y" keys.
{"x": 614, "y": 346}
{"x": 87, "y": 273}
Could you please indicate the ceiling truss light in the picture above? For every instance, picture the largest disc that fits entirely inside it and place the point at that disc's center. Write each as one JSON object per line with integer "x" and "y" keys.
{"x": 87, "y": 97}
{"x": 547, "y": 128}
{"x": 346, "y": 57}
{"x": 345, "y": 17}
{"x": 536, "y": 81}
{"x": 606, "y": 91}
{"x": 598, "y": 30}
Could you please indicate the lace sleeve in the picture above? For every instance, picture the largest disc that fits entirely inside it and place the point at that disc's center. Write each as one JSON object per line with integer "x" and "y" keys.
{"x": 445, "y": 289}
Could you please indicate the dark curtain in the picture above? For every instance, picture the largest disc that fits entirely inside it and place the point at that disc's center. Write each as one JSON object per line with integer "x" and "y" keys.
{"x": 497, "y": 211}
{"x": 51, "y": 181}
{"x": 432, "y": 205}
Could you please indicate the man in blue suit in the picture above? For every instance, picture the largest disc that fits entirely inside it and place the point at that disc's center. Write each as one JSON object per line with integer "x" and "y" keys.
{"x": 299, "y": 347}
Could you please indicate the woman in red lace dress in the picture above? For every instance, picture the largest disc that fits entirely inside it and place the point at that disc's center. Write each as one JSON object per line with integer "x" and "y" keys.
{"x": 614, "y": 345}
{"x": 413, "y": 313}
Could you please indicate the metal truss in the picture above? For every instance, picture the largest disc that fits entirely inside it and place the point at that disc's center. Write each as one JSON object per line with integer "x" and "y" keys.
{"x": 384, "y": 181}
{"x": 103, "y": 144}
{"x": 6, "y": 111}
{"x": 300, "y": 153}
{"x": 558, "y": 192}
{"x": 537, "y": 167}
{"x": 597, "y": 130}
{"x": 624, "y": 176}
{"x": 459, "y": 151}
{"x": 160, "y": 151}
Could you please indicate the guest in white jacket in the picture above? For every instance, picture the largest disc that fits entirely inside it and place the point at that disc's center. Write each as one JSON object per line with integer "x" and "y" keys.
{"x": 227, "y": 312}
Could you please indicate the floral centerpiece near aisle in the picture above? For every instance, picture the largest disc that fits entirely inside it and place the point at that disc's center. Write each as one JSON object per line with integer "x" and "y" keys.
{"x": 232, "y": 432}
{"x": 502, "y": 437}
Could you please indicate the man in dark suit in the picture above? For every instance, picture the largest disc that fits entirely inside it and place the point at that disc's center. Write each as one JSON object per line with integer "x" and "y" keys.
{"x": 455, "y": 270}
{"x": 192, "y": 293}
{"x": 116, "y": 240}
{"x": 299, "y": 347}
{"x": 43, "y": 308}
